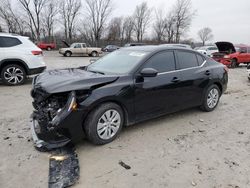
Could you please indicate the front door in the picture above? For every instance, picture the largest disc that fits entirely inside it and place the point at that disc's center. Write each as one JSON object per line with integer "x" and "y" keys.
{"x": 157, "y": 95}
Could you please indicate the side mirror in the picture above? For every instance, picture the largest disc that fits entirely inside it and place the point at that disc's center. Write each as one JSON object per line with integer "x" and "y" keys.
{"x": 92, "y": 61}
{"x": 149, "y": 72}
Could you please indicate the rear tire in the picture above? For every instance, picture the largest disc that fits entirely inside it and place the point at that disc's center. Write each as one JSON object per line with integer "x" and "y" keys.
{"x": 13, "y": 75}
{"x": 49, "y": 48}
{"x": 211, "y": 98}
{"x": 94, "y": 54}
{"x": 100, "y": 127}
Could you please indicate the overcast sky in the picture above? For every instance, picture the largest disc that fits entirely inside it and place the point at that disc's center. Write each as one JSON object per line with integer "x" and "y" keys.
{"x": 229, "y": 19}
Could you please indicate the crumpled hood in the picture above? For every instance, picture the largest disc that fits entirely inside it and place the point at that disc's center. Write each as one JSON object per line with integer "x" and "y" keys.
{"x": 63, "y": 80}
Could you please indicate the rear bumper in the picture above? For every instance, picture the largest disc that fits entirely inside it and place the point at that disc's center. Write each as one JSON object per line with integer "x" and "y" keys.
{"x": 36, "y": 70}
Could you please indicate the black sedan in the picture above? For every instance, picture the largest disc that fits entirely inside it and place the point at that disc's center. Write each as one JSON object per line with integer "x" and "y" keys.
{"x": 120, "y": 89}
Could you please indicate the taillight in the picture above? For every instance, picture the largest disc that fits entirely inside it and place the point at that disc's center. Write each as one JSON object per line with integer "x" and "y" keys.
{"x": 37, "y": 52}
{"x": 226, "y": 68}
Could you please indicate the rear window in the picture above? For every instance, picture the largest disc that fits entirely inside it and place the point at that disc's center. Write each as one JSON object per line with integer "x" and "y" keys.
{"x": 6, "y": 42}
{"x": 187, "y": 59}
{"x": 200, "y": 59}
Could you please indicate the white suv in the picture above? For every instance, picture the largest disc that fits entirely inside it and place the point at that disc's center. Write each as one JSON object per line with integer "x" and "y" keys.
{"x": 208, "y": 50}
{"x": 19, "y": 57}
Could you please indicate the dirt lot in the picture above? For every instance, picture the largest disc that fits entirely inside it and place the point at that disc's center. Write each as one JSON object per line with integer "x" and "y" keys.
{"x": 186, "y": 149}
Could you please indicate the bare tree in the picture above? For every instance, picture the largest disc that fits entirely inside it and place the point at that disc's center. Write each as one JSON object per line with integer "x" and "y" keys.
{"x": 115, "y": 29}
{"x": 86, "y": 32}
{"x": 69, "y": 10}
{"x": 183, "y": 16}
{"x": 160, "y": 25}
{"x": 127, "y": 29}
{"x": 170, "y": 27}
{"x": 33, "y": 9}
{"x": 141, "y": 19}
{"x": 98, "y": 12}
{"x": 205, "y": 34}
{"x": 12, "y": 18}
{"x": 49, "y": 17}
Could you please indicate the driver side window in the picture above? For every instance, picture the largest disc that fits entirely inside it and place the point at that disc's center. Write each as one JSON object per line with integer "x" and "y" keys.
{"x": 162, "y": 62}
{"x": 78, "y": 46}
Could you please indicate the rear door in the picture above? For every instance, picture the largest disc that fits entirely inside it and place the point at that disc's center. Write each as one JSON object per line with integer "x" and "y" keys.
{"x": 195, "y": 77}
{"x": 157, "y": 95}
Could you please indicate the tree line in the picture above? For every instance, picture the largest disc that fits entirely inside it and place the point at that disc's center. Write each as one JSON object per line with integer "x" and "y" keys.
{"x": 91, "y": 21}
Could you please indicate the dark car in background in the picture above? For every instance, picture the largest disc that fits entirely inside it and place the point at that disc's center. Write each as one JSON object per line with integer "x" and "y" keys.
{"x": 134, "y": 44}
{"x": 122, "y": 88}
{"x": 110, "y": 48}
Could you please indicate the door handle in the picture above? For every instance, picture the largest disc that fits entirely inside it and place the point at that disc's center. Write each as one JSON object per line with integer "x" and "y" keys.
{"x": 175, "y": 80}
{"x": 207, "y": 72}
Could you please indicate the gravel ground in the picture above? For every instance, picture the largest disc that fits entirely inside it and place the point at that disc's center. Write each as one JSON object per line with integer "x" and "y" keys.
{"x": 186, "y": 149}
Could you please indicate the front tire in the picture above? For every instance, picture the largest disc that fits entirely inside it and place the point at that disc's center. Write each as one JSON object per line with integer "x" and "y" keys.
{"x": 49, "y": 49}
{"x": 211, "y": 98}
{"x": 67, "y": 54}
{"x": 104, "y": 123}
{"x": 13, "y": 75}
{"x": 234, "y": 63}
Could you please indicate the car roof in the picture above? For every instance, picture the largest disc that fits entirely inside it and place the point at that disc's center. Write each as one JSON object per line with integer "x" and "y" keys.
{"x": 208, "y": 46}
{"x": 176, "y": 44}
{"x": 155, "y": 48}
{"x": 9, "y": 35}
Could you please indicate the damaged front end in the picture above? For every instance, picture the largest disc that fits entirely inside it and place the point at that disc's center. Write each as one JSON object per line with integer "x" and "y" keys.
{"x": 59, "y": 98}
{"x": 56, "y": 120}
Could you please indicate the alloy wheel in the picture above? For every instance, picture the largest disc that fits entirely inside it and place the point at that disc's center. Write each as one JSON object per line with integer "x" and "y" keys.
{"x": 13, "y": 75}
{"x": 212, "y": 98}
{"x": 108, "y": 124}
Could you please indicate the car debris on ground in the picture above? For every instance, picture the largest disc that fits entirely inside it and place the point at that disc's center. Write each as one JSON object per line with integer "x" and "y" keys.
{"x": 64, "y": 167}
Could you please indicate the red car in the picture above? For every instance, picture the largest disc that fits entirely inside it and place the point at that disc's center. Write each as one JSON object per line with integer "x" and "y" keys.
{"x": 46, "y": 46}
{"x": 231, "y": 55}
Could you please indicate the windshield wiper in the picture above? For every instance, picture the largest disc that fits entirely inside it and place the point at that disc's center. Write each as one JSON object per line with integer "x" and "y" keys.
{"x": 98, "y": 72}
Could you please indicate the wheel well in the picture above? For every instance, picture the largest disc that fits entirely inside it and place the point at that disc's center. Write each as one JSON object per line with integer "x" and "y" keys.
{"x": 16, "y": 62}
{"x": 219, "y": 86}
{"x": 94, "y": 51}
{"x": 68, "y": 51}
{"x": 125, "y": 112}
{"x": 235, "y": 59}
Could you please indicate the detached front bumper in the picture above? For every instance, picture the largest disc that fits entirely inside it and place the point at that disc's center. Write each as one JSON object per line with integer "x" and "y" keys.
{"x": 42, "y": 145}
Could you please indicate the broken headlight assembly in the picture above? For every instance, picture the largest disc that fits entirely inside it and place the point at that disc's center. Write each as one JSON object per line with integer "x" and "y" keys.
{"x": 70, "y": 106}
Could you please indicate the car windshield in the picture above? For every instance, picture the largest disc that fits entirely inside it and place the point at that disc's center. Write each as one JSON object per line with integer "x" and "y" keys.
{"x": 118, "y": 62}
